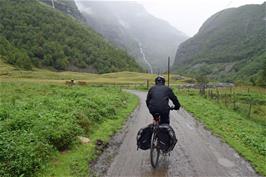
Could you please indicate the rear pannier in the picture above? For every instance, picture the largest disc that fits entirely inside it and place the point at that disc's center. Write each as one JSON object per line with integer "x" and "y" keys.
{"x": 144, "y": 137}
{"x": 166, "y": 138}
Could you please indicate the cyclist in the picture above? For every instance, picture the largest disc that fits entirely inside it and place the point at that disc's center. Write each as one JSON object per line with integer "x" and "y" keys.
{"x": 158, "y": 99}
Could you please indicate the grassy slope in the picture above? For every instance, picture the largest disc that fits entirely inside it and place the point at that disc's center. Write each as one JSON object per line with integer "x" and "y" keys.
{"x": 39, "y": 120}
{"x": 246, "y": 136}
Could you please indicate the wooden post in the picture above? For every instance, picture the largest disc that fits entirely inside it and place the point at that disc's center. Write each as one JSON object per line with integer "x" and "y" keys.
{"x": 148, "y": 84}
{"x": 249, "y": 110}
{"x": 234, "y": 100}
{"x": 168, "y": 71}
{"x": 225, "y": 100}
{"x": 217, "y": 95}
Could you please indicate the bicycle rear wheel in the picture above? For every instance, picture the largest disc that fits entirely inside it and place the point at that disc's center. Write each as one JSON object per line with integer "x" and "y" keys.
{"x": 155, "y": 151}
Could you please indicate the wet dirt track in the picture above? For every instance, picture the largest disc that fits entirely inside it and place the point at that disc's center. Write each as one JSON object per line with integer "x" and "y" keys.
{"x": 197, "y": 152}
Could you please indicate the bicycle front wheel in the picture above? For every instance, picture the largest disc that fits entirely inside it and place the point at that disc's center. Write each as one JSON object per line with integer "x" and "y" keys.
{"x": 155, "y": 151}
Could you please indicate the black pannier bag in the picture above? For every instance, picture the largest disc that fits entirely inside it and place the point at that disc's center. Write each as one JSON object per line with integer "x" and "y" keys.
{"x": 166, "y": 138}
{"x": 144, "y": 137}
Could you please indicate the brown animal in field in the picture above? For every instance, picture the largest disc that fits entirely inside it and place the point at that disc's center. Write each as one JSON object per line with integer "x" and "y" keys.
{"x": 70, "y": 83}
{"x": 82, "y": 83}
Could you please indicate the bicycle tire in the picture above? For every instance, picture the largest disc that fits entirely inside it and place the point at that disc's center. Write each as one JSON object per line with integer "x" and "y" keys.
{"x": 154, "y": 149}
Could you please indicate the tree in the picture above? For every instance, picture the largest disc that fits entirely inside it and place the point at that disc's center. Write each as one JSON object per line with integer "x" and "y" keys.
{"x": 54, "y": 40}
{"x": 23, "y": 61}
{"x": 202, "y": 80}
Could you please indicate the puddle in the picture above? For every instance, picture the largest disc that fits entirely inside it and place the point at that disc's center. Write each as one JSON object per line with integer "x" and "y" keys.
{"x": 225, "y": 162}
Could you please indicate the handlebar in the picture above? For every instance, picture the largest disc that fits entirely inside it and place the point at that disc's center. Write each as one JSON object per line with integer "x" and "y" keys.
{"x": 173, "y": 108}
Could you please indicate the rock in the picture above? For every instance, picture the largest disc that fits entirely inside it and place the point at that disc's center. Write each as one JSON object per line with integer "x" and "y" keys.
{"x": 84, "y": 140}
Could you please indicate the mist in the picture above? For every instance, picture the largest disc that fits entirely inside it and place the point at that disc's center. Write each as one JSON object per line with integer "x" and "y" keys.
{"x": 186, "y": 15}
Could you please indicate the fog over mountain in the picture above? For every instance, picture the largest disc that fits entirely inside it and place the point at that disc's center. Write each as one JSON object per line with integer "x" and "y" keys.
{"x": 189, "y": 15}
{"x": 129, "y": 26}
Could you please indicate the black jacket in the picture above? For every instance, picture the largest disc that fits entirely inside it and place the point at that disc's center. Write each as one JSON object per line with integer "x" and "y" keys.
{"x": 158, "y": 99}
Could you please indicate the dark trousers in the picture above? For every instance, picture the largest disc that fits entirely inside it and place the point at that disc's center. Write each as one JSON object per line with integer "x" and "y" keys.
{"x": 164, "y": 117}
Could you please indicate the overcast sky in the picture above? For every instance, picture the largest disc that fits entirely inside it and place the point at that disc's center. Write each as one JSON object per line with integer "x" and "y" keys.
{"x": 188, "y": 15}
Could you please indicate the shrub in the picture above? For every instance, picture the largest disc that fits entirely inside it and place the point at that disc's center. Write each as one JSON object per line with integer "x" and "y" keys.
{"x": 37, "y": 120}
{"x": 21, "y": 153}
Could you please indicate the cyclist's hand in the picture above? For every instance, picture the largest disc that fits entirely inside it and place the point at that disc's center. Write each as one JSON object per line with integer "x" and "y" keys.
{"x": 176, "y": 108}
{"x": 156, "y": 120}
{"x": 172, "y": 108}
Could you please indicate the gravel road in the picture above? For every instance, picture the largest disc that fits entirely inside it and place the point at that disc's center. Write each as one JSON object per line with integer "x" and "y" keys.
{"x": 197, "y": 153}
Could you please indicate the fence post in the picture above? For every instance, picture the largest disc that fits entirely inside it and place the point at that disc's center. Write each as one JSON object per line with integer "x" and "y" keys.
{"x": 249, "y": 110}
{"x": 218, "y": 95}
{"x": 148, "y": 84}
{"x": 234, "y": 100}
{"x": 225, "y": 101}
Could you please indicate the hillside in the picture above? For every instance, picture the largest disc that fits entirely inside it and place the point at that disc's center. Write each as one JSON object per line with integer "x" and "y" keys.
{"x": 68, "y": 7}
{"x": 129, "y": 26}
{"x": 230, "y": 46}
{"x": 34, "y": 34}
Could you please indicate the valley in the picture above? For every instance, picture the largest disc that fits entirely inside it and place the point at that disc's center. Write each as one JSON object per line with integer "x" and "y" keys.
{"x": 74, "y": 77}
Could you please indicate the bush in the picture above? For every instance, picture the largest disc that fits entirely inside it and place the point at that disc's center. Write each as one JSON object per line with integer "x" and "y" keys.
{"x": 57, "y": 129}
{"x": 21, "y": 153}
{"x": 37, "y": 120}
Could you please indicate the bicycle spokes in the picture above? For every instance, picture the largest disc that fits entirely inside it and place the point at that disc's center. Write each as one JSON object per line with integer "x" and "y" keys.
{"x": 155, "y": 151}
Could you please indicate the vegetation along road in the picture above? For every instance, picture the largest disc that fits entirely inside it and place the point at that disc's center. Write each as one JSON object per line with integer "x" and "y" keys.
{"x": 197, "y": 153}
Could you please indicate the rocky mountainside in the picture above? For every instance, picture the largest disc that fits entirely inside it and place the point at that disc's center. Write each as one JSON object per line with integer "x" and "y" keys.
{"x": 129, "y": 26}
{"x": 34, "y": 34}
{"x": 230, "y": 46}
{"x": 68, "y": 7}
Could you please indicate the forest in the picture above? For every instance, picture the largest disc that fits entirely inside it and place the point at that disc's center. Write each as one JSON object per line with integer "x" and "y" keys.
{"x": 35, "y": 35}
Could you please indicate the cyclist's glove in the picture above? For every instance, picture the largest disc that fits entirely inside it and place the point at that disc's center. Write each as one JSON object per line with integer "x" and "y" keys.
{"x": 176, "y": 107}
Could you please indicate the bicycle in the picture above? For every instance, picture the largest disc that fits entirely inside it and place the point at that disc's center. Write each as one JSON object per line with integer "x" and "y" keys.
{"x": 155, "y": 150}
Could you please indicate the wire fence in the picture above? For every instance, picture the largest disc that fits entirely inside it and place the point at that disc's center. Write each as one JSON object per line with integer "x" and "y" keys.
{"x": 250, "y": 102}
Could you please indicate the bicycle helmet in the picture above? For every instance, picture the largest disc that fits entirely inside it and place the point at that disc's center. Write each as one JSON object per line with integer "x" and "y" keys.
{"x": 160, "y": 80}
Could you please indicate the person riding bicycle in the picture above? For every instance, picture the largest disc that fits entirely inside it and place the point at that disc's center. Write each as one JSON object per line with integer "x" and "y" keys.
{"x": 158, "y": 100}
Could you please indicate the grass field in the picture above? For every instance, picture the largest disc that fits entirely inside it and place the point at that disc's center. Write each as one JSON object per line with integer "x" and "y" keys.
{"x": 10, "y": 73}
{"x": 250, "y": 102}
{"x": 32, "y": 103}
{"x": 39, "y": 123}
{"x": 245, "y": 134}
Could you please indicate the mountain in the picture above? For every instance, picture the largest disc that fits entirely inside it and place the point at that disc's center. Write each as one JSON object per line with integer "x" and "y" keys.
{"x": 129, "y": 26}
{"x": 34, "y": 34}
{"x": 230, "y": 46}
{"x": 68, "y": 7}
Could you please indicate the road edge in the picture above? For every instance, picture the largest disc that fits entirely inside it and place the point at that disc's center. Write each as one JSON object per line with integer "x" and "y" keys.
{"x": 101, "y": 164}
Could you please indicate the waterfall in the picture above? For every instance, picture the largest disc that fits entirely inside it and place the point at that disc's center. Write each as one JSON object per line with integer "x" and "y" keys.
{"x": 144, "y": 57}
